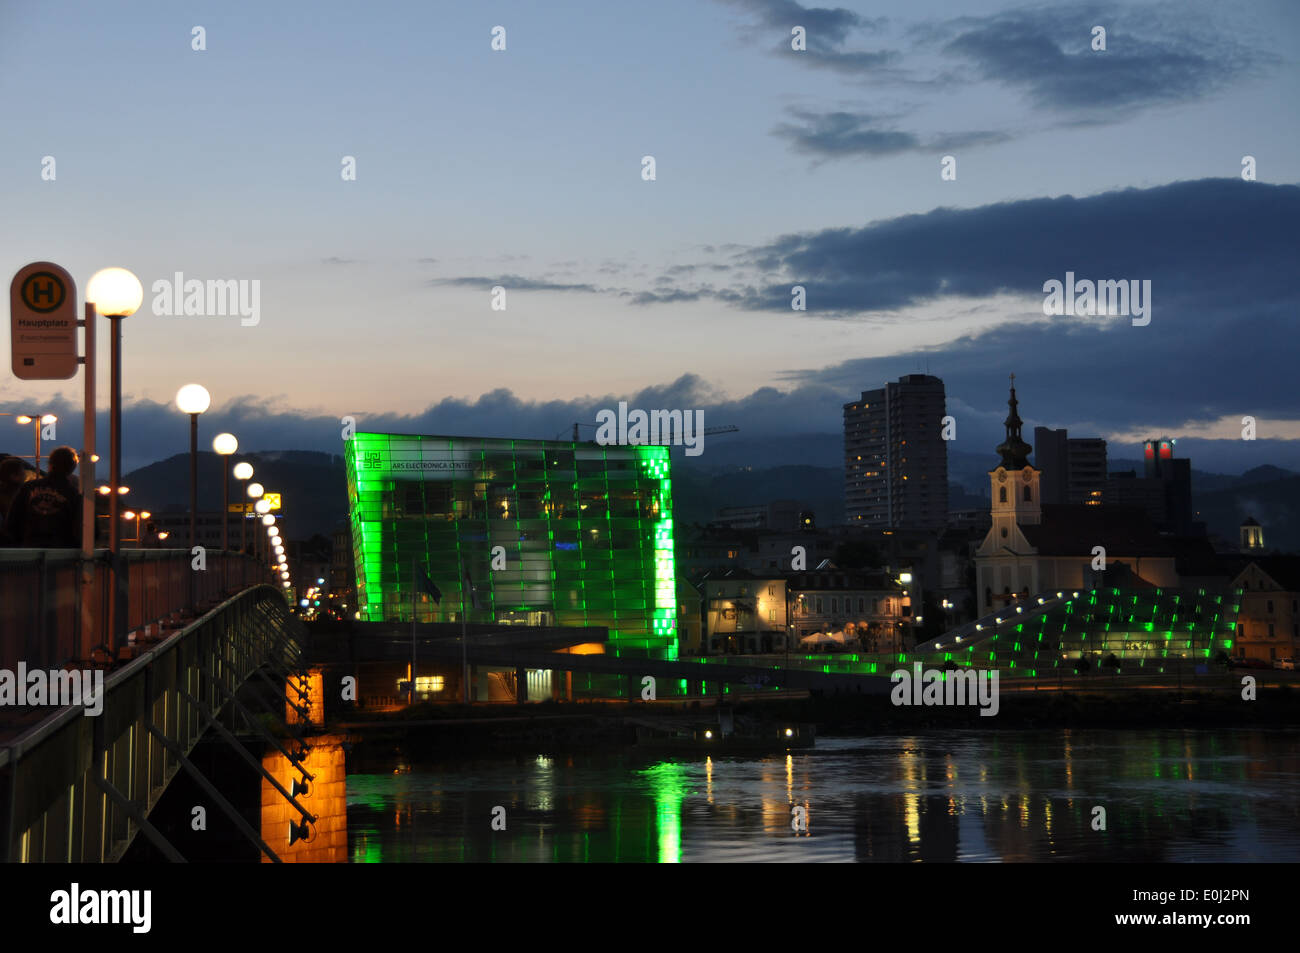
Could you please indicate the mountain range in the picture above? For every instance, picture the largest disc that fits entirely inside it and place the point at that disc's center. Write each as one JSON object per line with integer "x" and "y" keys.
{"x": 314, "y": 489}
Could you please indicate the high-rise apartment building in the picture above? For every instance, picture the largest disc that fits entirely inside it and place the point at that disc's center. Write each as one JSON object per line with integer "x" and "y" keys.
{"x": 895, "y": 457}
{"x": 1074, "y": 468}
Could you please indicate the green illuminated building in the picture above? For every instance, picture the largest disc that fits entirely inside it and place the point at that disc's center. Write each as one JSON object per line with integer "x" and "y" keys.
{"x": 579, "y": 534}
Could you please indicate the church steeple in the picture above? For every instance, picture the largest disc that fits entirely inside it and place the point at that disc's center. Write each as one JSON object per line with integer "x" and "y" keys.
{"x": 1014, "y": 451}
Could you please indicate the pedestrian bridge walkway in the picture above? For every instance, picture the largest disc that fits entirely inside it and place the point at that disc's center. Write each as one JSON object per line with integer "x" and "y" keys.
{"x": 77, "y": 786}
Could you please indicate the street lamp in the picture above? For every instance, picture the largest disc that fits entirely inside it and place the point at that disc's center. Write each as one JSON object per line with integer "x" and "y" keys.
{"x": 193, "y": 399}
{"x": 243, "y": 471}
{"x": 225, "y": 444}
{"x": 37, "y": 421}
{"x": 116, "y": 294}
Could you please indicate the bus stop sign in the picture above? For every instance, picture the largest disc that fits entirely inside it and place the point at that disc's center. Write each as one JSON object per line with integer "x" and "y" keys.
{"x": 43, "y": 323}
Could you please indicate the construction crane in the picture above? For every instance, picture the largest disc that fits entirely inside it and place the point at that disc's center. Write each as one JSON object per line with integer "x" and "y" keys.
{"x": 708, "y": 431}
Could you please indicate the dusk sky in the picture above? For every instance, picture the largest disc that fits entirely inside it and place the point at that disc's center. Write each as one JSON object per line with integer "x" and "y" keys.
{"x": 523, "y": 168}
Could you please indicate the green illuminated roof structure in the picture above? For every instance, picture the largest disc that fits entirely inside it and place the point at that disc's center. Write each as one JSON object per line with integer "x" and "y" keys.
{"x": 584, "y": 533}
{"x": 1149, "y": 629}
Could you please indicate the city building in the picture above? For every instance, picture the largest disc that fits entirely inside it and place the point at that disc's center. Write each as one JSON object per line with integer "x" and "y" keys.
{"x": 753, "y": 613}
{"x": 1268, "y": 620}
{"x": 1073, "y": 468}
{"x": 895, "y": 457}
{"x": 1164, "y": 490}
{"x": 1032, "y": 547}
{"x": 1252, "y": 535}
{"x": 546, "y": 533}
{"x": 176, "y": 524}
{"x": 777, "y": 515}
{"x": 342, "y": 575}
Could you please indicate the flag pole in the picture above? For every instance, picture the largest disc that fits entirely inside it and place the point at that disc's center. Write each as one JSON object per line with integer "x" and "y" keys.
{"x": 411, "y": 687}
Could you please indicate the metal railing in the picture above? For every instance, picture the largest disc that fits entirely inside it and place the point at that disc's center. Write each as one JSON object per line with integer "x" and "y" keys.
{"x": 42, "y": 594}
{"x": 78, "y": 788}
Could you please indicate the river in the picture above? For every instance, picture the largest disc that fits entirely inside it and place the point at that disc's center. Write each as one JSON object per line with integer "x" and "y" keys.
{"x": 975, "y": 796}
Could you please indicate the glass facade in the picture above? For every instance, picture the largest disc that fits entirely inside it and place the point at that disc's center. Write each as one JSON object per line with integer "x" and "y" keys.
{"x": 579, "y": 534}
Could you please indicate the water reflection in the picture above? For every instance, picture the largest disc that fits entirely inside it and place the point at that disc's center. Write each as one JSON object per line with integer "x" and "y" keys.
{"x": 956, "y": 796}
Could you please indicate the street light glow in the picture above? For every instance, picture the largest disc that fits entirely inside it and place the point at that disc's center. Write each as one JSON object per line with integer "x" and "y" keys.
{"x": 255, "y": 490}
{"x": 243, "y": 470}
{"x": 115, "y": 292}
{"x": 193, "y": 399}
{"x": 225, "y": 444}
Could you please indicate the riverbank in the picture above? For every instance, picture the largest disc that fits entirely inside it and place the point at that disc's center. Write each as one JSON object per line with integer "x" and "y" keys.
{"x": 603, "y": 725}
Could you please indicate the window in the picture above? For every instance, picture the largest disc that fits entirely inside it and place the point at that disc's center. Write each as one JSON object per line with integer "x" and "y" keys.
{"x": 1270, "y": 631}
{"x": 862, "y": 605}
{"x": 1270, "y": 606}
{"x": 771, "y": 615}
{"x": 819, "y": 605}
{"x": 1002, "y": 494}
{"x": 875, "y": 606}
{"x": 835, "y": 605}
{"x": 1028, "y": 497}
{"x": 771, "y": 590}
{"x": 1004, "y": 532}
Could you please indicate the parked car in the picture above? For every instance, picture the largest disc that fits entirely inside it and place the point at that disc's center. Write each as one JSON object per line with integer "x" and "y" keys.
{"x": 1286, "y": 664}
{"x": 1249, "y": 663}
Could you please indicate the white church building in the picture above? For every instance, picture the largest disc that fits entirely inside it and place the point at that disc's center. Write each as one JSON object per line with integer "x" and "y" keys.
{"x": 1032, "y": 548}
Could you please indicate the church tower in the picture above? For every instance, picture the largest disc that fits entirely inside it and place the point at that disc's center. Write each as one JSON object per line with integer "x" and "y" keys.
{"x": 1006, "y": 563}
{"x": 1015, "y": 482}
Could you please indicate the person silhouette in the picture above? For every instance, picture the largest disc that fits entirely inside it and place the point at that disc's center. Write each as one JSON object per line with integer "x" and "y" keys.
{"x": 46, "y": 512}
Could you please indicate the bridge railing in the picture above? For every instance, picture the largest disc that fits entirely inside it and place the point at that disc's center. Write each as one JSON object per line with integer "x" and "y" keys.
{"x": 41, "y": 597}
{"x": 77, "y": 787}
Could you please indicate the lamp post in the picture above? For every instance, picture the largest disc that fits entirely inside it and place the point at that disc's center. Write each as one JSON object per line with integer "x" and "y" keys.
{"x": 37, "y": 421}
{"x": 116, "y": 294}
{"x": 255, "y": 491}
{"x": 243, "y": 471}
{"x": 193, "y": 399}
{"x": 225, "y": 444}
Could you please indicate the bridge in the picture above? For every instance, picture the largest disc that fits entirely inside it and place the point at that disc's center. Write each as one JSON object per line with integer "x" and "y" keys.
{"x": 77, "y": 786}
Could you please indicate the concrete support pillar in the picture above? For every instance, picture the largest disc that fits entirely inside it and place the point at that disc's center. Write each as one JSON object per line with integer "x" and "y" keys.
{"x": 521, "y": 685}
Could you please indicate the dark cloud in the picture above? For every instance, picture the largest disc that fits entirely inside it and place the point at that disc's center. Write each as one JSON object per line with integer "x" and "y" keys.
{"x": 1200, "y": 242}
{"x": 827, "y": 31}
{"x": 841, "y": 134}
{"x": 1154, "y": 56}
{"x": 832, "y": 25}
{"x": 514, "y": 283}
{"x": 1047, "y": 54}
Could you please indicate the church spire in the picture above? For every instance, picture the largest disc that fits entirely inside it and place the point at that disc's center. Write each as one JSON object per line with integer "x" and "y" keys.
{"x": 1014, "y": 451}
